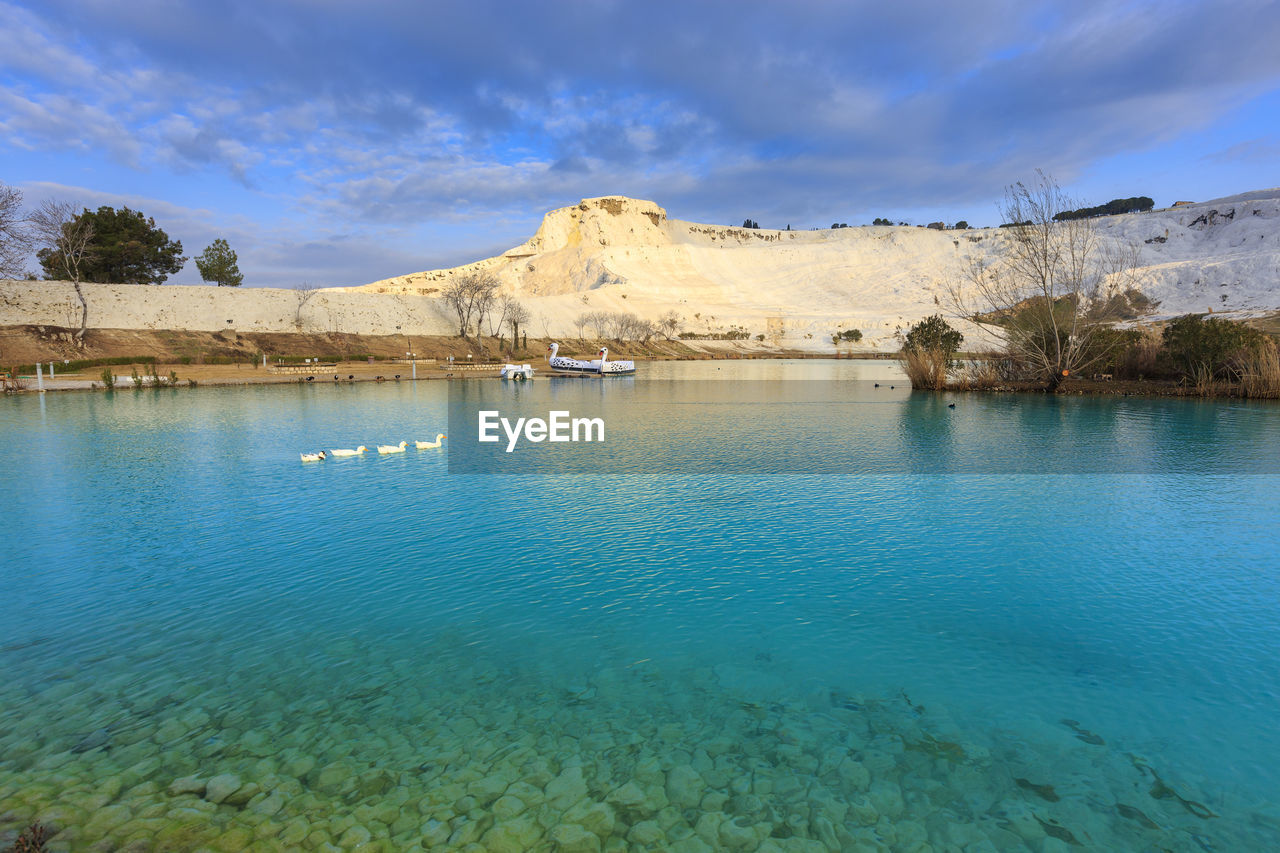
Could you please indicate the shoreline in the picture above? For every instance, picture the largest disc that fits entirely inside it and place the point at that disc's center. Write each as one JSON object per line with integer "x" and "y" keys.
{"x": 195, "y": 376}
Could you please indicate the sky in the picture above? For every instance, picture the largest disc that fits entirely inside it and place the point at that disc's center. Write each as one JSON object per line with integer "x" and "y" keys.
{"x": 337, "y": 143}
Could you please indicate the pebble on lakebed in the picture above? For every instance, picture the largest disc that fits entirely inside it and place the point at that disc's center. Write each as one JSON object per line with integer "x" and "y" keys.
{"x": 418, "y": 752}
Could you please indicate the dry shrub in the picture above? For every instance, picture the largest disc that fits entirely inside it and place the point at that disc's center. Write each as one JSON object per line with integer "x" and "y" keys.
{"x": 978, "y": 374}
{"x": 1205, "y": 380}
{"x": 1259, "y": 371}
{"x": 926, "y": 368}
{"x": 1141, "y": 359}
{"x": 11, "y": 381}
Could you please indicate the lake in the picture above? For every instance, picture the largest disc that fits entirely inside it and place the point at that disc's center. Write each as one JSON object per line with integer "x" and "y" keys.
{"x": 783, "y": 606}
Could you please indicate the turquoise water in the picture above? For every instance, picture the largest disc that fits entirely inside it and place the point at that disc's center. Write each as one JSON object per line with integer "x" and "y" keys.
{"x": 208, "y": 644}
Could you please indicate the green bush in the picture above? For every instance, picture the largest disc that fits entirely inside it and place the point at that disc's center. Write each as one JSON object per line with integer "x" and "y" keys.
{"x": 933, "y": 333}
{"x": 1112, "y": 350}
{"x": 1137, "y": 204}
{"x": 1194, "y": 345}
{"x": 73, "y": 366}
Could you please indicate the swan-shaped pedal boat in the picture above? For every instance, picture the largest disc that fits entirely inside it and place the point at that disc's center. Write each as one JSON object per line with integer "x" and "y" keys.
{"x": 357, "y": 452}
{"x": 614, "y": 368}
{"x": 564, "y": 364}
{"x": 392, "y": 448}
{"x": 312, "y": 457}
{"x": 600, "y": 366}
{"x": 427, "y": 445}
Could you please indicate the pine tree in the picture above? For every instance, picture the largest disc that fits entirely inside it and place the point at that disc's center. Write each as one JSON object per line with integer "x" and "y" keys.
{"x": 217, "y": 263}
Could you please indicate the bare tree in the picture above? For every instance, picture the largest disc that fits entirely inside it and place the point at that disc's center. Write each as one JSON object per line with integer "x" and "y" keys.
{"x": 669, "y": 323}
{"x": 303, "y": 294}
{"x": 546, "y": 325}
{"x": 1048, "y": 296}
{"x": 630, "y": 327}
{"x": 581, "y": 321}
{"x": 68, "y": 237}
{"x": 470, "y": 296}
{"x": 620, "y": 324}
{"x": 15, "y": 241}
{"x": 598, "y": 321}
{"x": 517, "y": 316}
{"x": 644, "y": 330}
{"x": 498, "y": 315}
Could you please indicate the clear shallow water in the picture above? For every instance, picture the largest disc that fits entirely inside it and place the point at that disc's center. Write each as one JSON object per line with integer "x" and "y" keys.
{"x": 864, "y": 659}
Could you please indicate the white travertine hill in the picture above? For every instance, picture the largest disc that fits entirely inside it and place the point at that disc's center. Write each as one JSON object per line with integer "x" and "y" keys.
{"x": 797, "y": 287}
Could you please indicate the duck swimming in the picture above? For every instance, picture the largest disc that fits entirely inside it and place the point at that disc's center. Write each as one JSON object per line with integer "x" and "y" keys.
{"x": 357, "y": 452}
{"x": 426, "y": 445}
{"x": 312, "y": 457}
{"x": 392, "y": 448}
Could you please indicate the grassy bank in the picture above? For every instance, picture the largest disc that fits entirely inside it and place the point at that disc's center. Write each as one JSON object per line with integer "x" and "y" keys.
{"x": 23, "y": 346}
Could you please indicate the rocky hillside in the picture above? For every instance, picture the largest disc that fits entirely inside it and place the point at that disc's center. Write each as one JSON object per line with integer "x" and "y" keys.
{"x": 620, "y": 254}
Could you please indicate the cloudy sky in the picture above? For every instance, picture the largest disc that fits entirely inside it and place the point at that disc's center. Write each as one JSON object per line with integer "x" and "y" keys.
{"x": 337, "y": 142}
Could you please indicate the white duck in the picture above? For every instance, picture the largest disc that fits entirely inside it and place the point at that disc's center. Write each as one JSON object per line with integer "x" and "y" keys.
{"x": 312, "y": 457}
{"x": 392, "y": 448}
{"x": 357, "y": 452}
{"x": 427, "y": 445}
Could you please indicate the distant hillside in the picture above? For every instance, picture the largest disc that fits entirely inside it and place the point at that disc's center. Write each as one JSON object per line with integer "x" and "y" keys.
{"x": 621, "y": 254}
{"x": 795, "y": 288}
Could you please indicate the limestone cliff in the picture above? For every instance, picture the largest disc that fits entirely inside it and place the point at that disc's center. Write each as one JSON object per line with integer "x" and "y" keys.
{"x": 620, "y": 254}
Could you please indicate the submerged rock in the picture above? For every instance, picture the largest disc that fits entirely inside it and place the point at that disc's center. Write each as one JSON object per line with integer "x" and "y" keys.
{"x": 512, "y": 836}
{"x": 593, "y": 817}
{"x": 567, "y": 788}
{"x": 93, "y": 740}
{"x": 221, "y": 786}
{"x": 685, "y": 786}
{"x": 187, "y": 785}
{"x": 571, "y": 838}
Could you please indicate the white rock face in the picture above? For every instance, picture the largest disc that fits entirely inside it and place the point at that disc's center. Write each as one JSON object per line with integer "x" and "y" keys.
{"x": 621, "y": 254}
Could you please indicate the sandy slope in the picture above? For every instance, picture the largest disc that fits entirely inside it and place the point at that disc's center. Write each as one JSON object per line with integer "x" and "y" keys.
{"x": 794, "y": 287}
{"x": 624, "y": 255}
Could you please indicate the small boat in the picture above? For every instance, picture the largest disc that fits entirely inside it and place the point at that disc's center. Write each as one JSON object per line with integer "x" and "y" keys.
{"x": 597, "y": 367}
{"x": 392, "y": 448}
{"x": 427, "y": 445}
{"x": 516, "y": 372}
{"x": 564, "y": 364}
{"x": 614, "y": 368}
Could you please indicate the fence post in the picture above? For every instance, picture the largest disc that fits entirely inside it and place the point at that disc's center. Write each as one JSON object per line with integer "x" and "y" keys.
{"x": 39, "y": 377}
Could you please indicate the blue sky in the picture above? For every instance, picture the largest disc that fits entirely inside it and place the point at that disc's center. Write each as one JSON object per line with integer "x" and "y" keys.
{"x": 337, "y": 143}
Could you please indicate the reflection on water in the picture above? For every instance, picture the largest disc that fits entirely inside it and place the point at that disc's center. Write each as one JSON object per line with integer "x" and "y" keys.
{"x": 207, "y": 644}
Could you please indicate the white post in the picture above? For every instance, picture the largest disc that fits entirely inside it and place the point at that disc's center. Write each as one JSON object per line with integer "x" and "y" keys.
{"x": 39, "y": 377}
{"x": 51, "y": 370}
{"x": 415, "y": 368}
